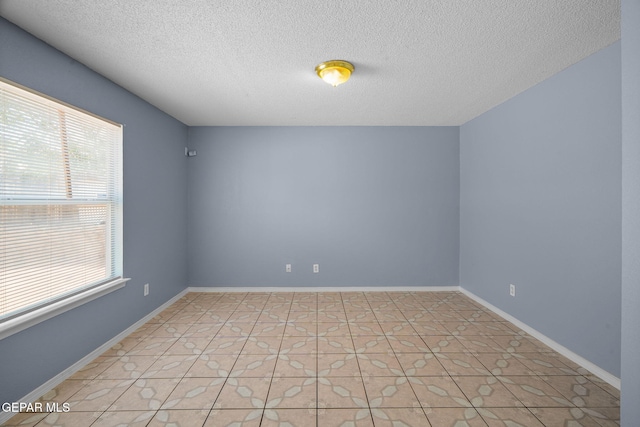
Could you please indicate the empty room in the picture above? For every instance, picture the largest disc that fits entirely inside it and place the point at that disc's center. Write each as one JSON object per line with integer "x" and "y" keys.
{"x": 366, "y": 213}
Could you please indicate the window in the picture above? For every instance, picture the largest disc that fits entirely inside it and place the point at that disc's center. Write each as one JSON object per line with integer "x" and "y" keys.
{"x": 60, "y": 202}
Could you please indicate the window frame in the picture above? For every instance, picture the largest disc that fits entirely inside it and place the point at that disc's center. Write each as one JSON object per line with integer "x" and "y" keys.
{"x": 81, "y": 294}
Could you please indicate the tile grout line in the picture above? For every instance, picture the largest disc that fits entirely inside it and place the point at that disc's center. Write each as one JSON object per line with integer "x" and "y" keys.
{"x": 355, "y": 351}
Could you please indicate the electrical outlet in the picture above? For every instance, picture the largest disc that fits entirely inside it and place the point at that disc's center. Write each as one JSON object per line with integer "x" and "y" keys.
{"x": 512, "y": 290}
{"x": 146, "y": 289}
{"x": 287, "y": 268}
{"x": 316, "y": 268}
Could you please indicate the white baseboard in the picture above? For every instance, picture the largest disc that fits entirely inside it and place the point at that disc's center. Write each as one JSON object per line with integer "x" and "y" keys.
{"x": 55, "y": 381}
{"x": 323, "y": 289}
{"x": 591, "y": 367}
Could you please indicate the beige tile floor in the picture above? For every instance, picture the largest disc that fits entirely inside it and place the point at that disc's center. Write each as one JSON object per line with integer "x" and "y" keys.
{"x": 330, "y": 359}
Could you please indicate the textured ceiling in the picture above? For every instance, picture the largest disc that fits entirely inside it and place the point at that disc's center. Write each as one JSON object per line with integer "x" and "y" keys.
{"x": 251, "y": 62}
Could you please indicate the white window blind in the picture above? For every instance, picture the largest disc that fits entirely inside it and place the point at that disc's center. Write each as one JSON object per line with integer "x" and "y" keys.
{"x": 60, "y": 201}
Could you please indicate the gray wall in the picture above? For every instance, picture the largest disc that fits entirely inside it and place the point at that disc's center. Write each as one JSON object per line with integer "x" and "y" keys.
{"x": 540, "y": 207}
{"x": 154, "y": 214}
{"x": 374, "y": 206}
{"x": 630, "y": 213}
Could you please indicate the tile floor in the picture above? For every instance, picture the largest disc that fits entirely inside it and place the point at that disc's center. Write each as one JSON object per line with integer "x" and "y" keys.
{"x": 330, "y": 359}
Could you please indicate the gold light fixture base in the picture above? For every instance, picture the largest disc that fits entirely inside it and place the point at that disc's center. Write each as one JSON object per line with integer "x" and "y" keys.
{"x": 335, "y": 72}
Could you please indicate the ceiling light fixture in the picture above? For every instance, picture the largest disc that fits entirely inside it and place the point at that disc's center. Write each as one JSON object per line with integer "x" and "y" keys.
{"x": 334, "y": 72}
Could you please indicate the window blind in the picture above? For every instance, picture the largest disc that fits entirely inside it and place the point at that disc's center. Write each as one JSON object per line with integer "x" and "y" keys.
{"x": 60, "y": 201}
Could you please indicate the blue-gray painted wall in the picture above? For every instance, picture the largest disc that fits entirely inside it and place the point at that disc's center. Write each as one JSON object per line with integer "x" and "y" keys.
{"x": 630, "y": 395}
{"x": 540, "y": 207}
{"x": 154, "y": 214}
{"x": 373, "y": 206}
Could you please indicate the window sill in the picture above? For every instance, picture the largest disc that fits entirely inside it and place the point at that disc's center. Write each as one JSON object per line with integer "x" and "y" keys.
{"x": 20, "y": 323}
